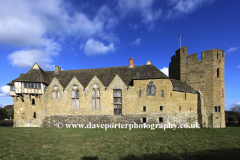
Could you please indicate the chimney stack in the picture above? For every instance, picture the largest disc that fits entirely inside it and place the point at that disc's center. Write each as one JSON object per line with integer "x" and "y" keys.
{"x": 57, "y": 69}
{"x": 130, "y": 62}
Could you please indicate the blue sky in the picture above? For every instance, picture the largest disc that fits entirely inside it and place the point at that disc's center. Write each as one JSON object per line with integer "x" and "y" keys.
{"x": 80, "y": 34}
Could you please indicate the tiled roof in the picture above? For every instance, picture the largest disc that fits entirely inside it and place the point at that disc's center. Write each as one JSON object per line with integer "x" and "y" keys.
{"x": 182, "y": 86}
{"x": 105, "y": 75}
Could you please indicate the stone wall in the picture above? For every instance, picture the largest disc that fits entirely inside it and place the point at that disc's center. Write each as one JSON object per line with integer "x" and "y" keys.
{"x": 202, "y": 75}
{"x": 173, "y": 118}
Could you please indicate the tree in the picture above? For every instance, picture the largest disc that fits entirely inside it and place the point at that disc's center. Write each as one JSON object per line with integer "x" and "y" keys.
{"x": 5, "y": 113}
{"x": 236, "y": 111}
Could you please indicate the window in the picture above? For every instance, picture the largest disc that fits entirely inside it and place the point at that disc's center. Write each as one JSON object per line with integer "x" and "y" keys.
{"x": 58, "y": 94}
{"x": 161, "y": 108}
{"x": 144, "y": 119}
{"x": 160, "y": 119}
{"x": 96, "y": 97}
{"x": 139, "y": 93}
{"x": 34, "y": 115}
{"x": 144, "y": 108}
{"x": 150, "y": 89}
{"x": 33, "y": 101}
{"x": 162, "y": 93}
{"x": 25, "y": 84}
{"x": 190, "y": 108}
{"x": 73, "y": 103}
{"x": 117, "y": 102}
{"x": 180, "y": 108}
{"x": 75, "y": 98}
{"x": 219, "y": 109}
{"x": 12, "y": 88}
{"x": 53, "y": 94}
{"x": 185, "y": 96}
{"x": 215, "y": 109}
{"x": 217, "y": 72}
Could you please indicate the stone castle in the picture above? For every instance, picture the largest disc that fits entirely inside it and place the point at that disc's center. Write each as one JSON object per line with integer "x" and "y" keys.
{"x": 193, "y": 92}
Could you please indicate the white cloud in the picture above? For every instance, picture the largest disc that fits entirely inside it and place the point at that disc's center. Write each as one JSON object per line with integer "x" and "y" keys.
{"x": 136, "y": 42}
{"x": 93, "y": 47}
{"x": 41, "y": 26}
{"x": 238, "y": 66}
{"x": 165, "y": 70}
{"x": 25, "y": 58}
{"x": 4, "y": 91}
{"x": 232, "y": 49}
{"x": 181, "y": 7}
{"x": 144, "y": 7}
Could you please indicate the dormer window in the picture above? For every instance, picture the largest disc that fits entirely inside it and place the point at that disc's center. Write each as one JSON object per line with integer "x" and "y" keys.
{"x": 150, "y": 89}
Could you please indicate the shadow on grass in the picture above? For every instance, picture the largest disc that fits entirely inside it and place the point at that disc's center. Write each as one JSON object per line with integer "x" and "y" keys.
{"x": 222, "y": 154}
{"x": 89, "y": 158}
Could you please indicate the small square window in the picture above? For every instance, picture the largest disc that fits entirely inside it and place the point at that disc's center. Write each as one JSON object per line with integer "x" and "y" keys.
{"x": 144, "y": 119}
{"x": 160, "y": 119}
{"x": 161, "y": 108}
{"x": 144, "y": 108}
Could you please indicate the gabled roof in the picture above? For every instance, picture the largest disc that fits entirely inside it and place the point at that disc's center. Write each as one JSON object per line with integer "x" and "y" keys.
{"x": 105, "y": 75}
{"x": 150, "y": 72}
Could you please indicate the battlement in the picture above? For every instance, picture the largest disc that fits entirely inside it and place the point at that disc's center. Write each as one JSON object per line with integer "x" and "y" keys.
{"x": 208, "y": 55}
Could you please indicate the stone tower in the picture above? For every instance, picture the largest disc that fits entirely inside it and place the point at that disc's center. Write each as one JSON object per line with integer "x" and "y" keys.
{"x": 206, "y": 76}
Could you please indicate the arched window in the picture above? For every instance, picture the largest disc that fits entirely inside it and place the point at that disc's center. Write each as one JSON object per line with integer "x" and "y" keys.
{"x": 75, "y": 98}
{"x": 96, "y": 97}
{"x": 215, "y": 109}
{"x": 219, "y": 109}
{"x": 53, "y": 94}
{"x": 77, "y": 93}
{"x": 73, "y": 94}
{"x": 58, "y": 94}
{"x": 150, "y": 89}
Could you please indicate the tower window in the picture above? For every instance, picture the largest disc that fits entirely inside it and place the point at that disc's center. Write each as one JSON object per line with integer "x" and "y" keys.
{"x": 34, "y": 115}
{"x": 161, "y": 108}
{"x": 160, "y": 119}
{"x": 219, "y": 109}
{"x": 215, "y": 109}
{"x": 33, "y": 101}
{"x": 144, "y": 108}
{"x": 180, "y": 108}
{"x": 217, "y": 72}
{"x": 185, "y": 96}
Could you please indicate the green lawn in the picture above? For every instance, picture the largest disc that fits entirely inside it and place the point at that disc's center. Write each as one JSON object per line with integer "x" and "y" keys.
{"x": 86, "y": 144}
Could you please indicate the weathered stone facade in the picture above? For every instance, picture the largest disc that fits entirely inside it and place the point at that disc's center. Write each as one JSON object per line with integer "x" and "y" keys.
{"x": 206, "y": 75}
{"x": 173, "y": 101}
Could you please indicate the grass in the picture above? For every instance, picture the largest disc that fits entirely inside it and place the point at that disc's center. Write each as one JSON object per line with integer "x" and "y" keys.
{"x": 93, "y": 144}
